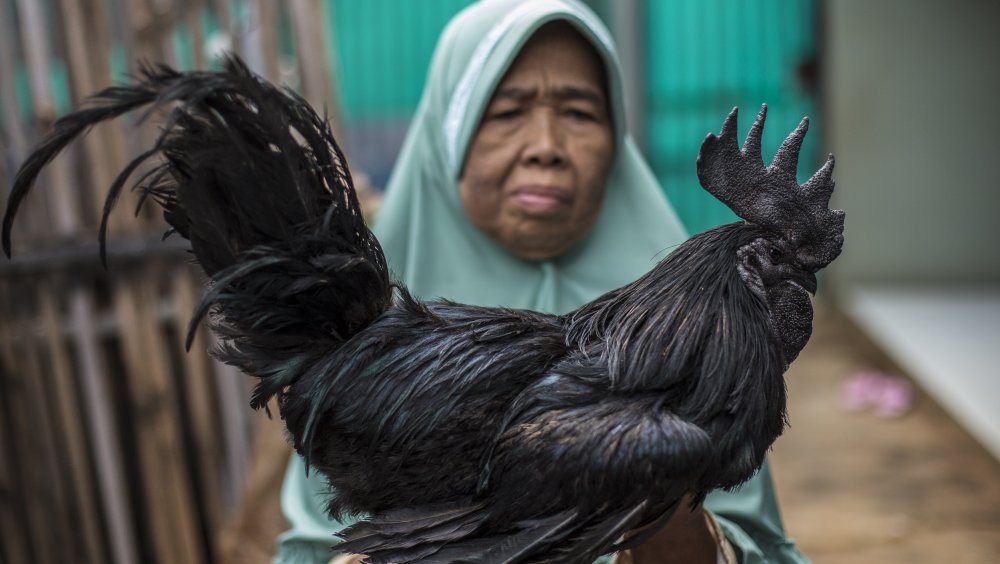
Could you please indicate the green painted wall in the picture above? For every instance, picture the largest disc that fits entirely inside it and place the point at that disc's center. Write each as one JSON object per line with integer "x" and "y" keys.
{"x": 705, "y": 57}
{"x": 384, "y": 48}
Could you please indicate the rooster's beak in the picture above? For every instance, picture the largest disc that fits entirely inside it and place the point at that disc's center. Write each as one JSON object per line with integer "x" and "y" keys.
{"x": 808, "y": 282}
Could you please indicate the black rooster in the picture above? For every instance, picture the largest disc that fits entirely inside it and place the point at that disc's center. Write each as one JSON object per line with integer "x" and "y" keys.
{"x": 473, "y": 433}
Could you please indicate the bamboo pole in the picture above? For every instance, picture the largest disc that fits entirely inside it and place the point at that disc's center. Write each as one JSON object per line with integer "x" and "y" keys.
{"x": 33, "y": 211}
{"x": 71, "y": 426}
{"x": 14, "y": 546}
{"x": 251, "y": 41}
{"x": 36, "y": 488}
{"x": 135, "y": 27}
{"x": 192, "y": 18}
{"x": 235, "y": 423}
{"x": 222, "y": 11}
{"x": 64, "y": 204}
{"x": 249, "y": 536}
{"x": 201, "y": 397}
{"x": 307, "y": 24}
{"x": 259, "y": 38}
{"x": 163, "y": 16}
{"x": 51, "y": 478}
{"x": 85, "y": 31}
{"x": 102, "y": 428}
{"x": 15, "y": 522}
{"x": 172, "y": 518}
{"x": 268, "y": 11}
{"x": 16, "y": 138}
{"x": 36, "y": 51}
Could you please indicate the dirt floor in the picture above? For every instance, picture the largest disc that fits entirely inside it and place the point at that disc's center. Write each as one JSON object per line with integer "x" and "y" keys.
{"x": 854, "y": 488}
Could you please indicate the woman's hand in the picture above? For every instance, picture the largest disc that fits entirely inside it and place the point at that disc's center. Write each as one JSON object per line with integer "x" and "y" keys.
{"x": 686, "y": 539}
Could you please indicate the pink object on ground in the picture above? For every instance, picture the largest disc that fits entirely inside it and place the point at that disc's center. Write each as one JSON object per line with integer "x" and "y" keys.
{"x": 858, "y": 392}
{"x": 886, "y": 395}
{"x": 895, "y": 398}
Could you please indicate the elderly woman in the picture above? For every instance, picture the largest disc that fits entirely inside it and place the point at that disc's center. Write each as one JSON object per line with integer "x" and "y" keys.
{"x": 518, "y": 185}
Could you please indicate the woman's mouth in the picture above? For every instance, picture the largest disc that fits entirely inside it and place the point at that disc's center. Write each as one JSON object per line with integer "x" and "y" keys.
{"x": 541, "y": 199}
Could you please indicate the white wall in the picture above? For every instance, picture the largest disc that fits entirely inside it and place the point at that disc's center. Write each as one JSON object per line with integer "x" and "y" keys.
{"x": 912, "y": 95}
{"x": 912, "y": 98}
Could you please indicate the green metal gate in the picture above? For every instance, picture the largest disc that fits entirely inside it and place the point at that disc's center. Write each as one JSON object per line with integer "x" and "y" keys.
{"x": 704, "y": 57}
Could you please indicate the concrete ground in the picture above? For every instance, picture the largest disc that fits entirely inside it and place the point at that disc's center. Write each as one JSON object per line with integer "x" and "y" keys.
{"x": 854, "y": 488}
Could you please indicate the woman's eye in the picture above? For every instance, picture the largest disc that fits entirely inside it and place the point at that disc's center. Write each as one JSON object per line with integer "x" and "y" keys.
{"x": 579, "y": 114}
{"x": 504, "y": 115}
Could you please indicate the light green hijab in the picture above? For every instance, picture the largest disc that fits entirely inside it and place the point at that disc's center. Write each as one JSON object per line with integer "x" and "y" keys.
{"x": 435, "y": 251}
{"x": 431, "y": 245}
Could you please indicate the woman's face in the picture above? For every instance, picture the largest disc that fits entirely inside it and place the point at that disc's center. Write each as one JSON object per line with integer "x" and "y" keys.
{"x": 535, "y": 172}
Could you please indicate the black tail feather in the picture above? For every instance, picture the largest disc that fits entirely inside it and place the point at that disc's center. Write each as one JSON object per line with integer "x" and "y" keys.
{"x": 593, "y": 540}
{"x": 642, "y": 533}
{"x": 456, "y": 532}
{"x": 534, "y": 540}
{"x": 412, "y": 534}
{"x": 109, "y": 103}
{"x": 253, "y": 177}
{"x": 450, "y": 533}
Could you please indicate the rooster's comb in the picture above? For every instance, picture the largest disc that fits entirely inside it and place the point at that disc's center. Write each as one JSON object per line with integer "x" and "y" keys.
{"x": 770, "y": 196}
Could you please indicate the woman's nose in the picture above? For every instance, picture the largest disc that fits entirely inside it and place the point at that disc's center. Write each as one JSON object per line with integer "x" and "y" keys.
{"x": 545, "y": 143}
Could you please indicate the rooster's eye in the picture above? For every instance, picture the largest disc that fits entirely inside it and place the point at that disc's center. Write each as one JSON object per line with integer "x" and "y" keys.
{"x": 774, "y": 253}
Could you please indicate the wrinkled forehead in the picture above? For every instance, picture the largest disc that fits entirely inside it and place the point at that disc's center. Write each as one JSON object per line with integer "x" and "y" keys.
{"x": 481, "y": 44}
{"x": 558, "y": 51}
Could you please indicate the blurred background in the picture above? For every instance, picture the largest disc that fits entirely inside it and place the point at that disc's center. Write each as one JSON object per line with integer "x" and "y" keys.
{"x": 116, "y": 446}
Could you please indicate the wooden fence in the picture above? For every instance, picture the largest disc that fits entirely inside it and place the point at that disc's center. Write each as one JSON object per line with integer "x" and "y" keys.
{"x": 116, "y": 445}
